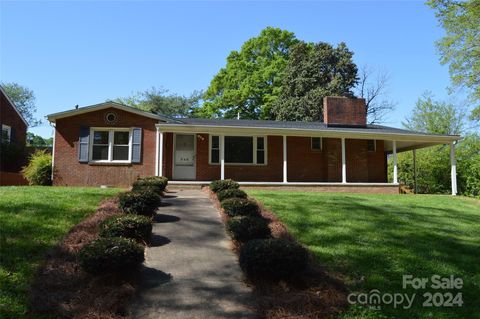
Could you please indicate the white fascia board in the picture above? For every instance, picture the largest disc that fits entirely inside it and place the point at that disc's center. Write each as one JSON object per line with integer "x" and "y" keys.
{"x": 97, "y": 107}
{"x": 178, "y": 128}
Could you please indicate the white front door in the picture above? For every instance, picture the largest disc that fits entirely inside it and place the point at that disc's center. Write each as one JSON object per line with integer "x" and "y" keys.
{"x": 184, "y": 157}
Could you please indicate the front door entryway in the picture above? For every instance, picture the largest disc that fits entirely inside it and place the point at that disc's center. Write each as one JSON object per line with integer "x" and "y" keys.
{"x": 184, "y": 157}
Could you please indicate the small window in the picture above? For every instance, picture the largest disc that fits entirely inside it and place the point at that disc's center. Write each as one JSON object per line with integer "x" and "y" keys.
{"x": 6, "y": 133}
{"x": 111, "y": 145}
{"x": 371, "y": 145}
{"x": 111, "y": 118}
{"x": 316, "y": 143}
{"x": 215, "y": 150}
{"x": 260, "y": 150}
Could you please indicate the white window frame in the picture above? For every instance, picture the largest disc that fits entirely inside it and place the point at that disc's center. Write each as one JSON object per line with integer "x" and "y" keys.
{"x": 321, "y": 144}
{"x": 265, "y": 150}
{"x": 374, "y": 145}
{"x": 110, "y": 144}
{"x": 210, "y": 149}
{"x": 9, "y": 132}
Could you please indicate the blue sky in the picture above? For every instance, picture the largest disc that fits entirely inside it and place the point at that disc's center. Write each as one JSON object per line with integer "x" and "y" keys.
{"x": 84, "y": 53}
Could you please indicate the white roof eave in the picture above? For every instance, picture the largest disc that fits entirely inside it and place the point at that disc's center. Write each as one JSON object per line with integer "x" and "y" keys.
{"x": 337, "y": 133}
{"x": 97, "y": 107}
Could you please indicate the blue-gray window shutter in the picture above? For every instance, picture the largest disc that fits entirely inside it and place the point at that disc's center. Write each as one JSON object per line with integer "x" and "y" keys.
{"x": 136, "y": 145}
{"x": 83, "y": 146}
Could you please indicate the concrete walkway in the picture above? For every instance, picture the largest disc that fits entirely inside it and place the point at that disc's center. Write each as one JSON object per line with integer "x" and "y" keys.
{"x": 190, "y": 271}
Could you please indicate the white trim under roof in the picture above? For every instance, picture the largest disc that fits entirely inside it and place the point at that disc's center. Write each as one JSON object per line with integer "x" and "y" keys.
{"x": 423, "y": 139}
{"x": 13, "y": 105}
{"x": 101, "y": 106}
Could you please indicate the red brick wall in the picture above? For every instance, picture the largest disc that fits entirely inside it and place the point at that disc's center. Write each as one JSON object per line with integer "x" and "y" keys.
{"x": 10, "y": 117}
{"x": 304, "y": 164}
{"x": 8, "y": 179}
{"x": 69, "y": 171}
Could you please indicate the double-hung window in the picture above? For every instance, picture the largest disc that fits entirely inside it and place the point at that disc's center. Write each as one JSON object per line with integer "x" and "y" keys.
{"x": 111, "y": 145}
{"x": 6, "y": 133}
{"x": 249, "y": 150}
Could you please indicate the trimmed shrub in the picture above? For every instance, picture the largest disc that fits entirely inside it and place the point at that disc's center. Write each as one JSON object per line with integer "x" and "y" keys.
{"x": 246, "y": 228}
{"x": 143, "y": 202}
{"x": 128, "y": 226}
{"x": 155, "y": 183}
{"x": 107, "y": 255}
{"x": 240, "y": 207}
{"x": 39, "y": 169}
{"x": 220, "y": 185}
{"x": 272, "y": 259}
{"x": 231, "y": 193}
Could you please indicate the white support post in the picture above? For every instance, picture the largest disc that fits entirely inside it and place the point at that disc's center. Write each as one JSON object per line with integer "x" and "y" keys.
{"x": 453, "y": 162}
{"x": 284, "y": 158}
{"x": 160, "y": 156}
{"x": 344, "y": 163}
{"x": 222, "y": 157}
{"x": 395, "y": 169}
{"x": 157, "y": 142}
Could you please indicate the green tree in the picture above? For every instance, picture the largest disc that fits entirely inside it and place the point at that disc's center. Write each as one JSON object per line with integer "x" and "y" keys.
{"x": 433, "y": 163}
{"x": 38, "y": 141}
{"x": 251, "y": 81}
{"x": 24, "y": 100}
{"x": 460, "y": 47}
{"x": 159, "y": 100}
{"x": 314, "y": 71}
{"x": 431, "y": 116}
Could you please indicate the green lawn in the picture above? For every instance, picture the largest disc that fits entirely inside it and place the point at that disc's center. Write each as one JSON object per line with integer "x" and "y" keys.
{"x": 33, "y": 219}
{"x": 371, "y": 241}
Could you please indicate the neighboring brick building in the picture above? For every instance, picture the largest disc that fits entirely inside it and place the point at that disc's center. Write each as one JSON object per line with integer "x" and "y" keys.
{"x": 112, "y": 144}
{"x": 12, "y": 146}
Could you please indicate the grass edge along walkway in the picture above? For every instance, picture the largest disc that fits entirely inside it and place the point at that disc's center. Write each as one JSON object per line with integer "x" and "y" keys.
{"x": 32, "y": 220}
{"x": 370, "y": 241}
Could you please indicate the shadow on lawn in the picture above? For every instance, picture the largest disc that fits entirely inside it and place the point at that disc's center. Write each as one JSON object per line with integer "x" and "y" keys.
{"x": 373, "y": 244}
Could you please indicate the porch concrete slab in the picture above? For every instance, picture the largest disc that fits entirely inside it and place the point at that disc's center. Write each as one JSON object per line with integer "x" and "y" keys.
{"x": 190, "y": 270}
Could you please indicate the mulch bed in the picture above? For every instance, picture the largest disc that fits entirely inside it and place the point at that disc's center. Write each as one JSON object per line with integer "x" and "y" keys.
{"x": 310, "y": 294}
{"x": 61, "y": 288}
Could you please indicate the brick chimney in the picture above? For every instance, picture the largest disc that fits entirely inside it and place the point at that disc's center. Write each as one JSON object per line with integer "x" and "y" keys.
{"x": 344, "y": 111}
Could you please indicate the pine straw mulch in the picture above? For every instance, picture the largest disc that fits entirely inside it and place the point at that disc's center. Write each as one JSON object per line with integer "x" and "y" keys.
{"x": 61, "y": 288}
{"x": 312, "y": 294}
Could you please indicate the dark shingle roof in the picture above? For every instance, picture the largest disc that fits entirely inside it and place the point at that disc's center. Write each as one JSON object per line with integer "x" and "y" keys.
{"x": 292, "y": 125}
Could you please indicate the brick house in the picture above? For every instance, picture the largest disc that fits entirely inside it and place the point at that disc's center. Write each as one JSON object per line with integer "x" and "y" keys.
{"x": 13, "y": 139}
{"x": 113, "y": 144}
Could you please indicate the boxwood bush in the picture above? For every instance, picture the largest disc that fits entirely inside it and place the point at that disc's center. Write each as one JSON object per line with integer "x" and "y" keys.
{"x": 245, "y": 228}
{"x": 107, "y": 255}
{"x": 272, "y": 259}
{"x": 128, "y": 226}
{"x": 231, "y": 193}
{"x": 143, "y": 202}
{"x": 155, "y": 183}
{"x": 220, "y": 185}
{"x": 240, "y": 207}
